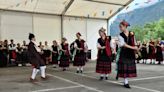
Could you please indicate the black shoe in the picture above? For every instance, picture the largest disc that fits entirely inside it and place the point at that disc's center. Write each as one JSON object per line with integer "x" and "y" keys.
{"x": 64, "y": 69}
{"x": 106, "y": 78}
{"x": 127, "y": 86}
{"x": 81, "y": 71}
{"x": 54, "y": 67}
{"x": 116, "y": 77}
{"x": 77, "y": 71}
{"x": 101, "y": 78}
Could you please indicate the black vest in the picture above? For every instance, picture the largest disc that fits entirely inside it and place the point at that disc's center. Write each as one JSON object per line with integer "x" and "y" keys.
{"x": 126, "y": 52}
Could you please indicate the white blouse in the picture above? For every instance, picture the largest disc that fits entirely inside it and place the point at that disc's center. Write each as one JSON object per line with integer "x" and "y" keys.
{"x": 121, "y": 41}
{"x": 85, "y": 46}
{"x": 98, "y": 45}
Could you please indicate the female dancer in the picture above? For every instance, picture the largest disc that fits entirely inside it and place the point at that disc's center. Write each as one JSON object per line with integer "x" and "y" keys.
{"x": 104, "y": 58}
{"x": 55, "y": 53}
{"x": 80, "y": 57}
{"x": 159, "y": 56}
{"x": 64, "y": 55}
{"x": 152, "y": 51}
{"x": 126, "y": 63}
{"x": 144, "y": 52}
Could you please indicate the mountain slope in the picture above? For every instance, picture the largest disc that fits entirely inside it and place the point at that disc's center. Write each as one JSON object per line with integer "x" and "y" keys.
{"x": 139, "y": 16}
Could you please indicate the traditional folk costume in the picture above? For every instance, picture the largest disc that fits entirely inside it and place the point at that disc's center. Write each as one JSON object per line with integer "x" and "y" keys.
{"x": 144, "y": 53}
{"x": 64, "y": 56}
{"x": 3, "y": 57}
{"x": 25, "y": 54}
{"x": 79, "y": 55}
{"x": 47, "y": 54}
{"x": 42, "y": 52}
{"x": 126, "y": 62}
{"x": 19, "y": 58}
{"x": 12, "y": 54}
{"x": 35, "y": 59}
{"x": 104, "y": 58}
{"x": 6, "y": 52}
{"x": 151, "y": 52}
{"x": 55, "y": 54}
{"x": 159, "y": 56}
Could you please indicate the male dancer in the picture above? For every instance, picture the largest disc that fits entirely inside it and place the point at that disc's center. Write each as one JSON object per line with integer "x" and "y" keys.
{"x": 35, "y": 59}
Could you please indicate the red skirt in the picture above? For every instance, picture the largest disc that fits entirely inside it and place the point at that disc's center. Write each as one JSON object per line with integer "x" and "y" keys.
{"x": 159, "y": 55}
{"x": 64, "y": 61}
{"x": 152, "y": 53}
{"x": 128, "y": 69}
{"x": 103, "y": 67}
{"x": 54, "y": 58}
{"x": 79, "y": 60}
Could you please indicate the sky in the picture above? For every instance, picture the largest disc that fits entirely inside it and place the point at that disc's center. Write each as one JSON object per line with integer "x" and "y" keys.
{"x": 135, "y": 5}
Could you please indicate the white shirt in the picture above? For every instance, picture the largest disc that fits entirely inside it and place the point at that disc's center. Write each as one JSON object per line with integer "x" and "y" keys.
{"x": 12, "y": 47}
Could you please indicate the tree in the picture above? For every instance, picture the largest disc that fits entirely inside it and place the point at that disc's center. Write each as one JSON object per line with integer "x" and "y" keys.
{"x": 152, "y": 30}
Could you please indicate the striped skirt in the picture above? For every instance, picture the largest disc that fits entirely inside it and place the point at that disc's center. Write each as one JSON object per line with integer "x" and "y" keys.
{"x": 64, "y": 61}
{"x": 103, "y": 65}
{"x": 79, "y": 60}
{"x": 128, "y": 69}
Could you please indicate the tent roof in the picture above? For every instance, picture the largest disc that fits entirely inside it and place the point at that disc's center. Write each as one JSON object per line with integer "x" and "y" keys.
{"x": 102, "y": 9}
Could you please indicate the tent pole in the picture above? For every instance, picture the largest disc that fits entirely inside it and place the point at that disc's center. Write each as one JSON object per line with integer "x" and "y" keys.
{"x": 87, "y": 29}
{"x": 33, "y": 23}
{"x": 95, "y": 1}
{"x": 0, "y": 25}
{"x": 62, "y": 17}
{"x": 67, "y": 7}
{"x": 62, "y": 27}
{"x": 108, "y": 32}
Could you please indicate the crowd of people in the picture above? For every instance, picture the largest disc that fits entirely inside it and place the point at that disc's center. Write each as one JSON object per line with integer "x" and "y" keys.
{"x": 150, "y": 52}
{"x": 125, "y": 51}
{"x": 12, "y": 54}
{"x": 16, "y": 54}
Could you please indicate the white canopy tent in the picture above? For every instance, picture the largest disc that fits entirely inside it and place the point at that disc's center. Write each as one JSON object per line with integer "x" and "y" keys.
{"x": 75, "y": 8}
{"x": 53, "y": 19}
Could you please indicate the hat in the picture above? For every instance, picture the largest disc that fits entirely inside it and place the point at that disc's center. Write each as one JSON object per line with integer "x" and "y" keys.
{"x": 78, "y": 33}
{"x": 31, "y": 36}
{"x": 11, "y": 40}
{"x": 124, "y": 23}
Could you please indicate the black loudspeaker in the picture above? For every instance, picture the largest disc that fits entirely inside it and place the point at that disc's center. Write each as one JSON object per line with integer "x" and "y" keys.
{"x": 89, "y": 54}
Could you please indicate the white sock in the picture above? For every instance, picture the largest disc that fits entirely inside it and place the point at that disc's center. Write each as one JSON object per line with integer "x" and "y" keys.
{"x": 81, "y": 68}
{"x": 34, "y": 73}
{"x": 126, "y": 81}
{"x": 78, "y": 68}
{"x": 43, "y": 68}
{"x": 102, "y": 75}
{"x": 106, "y": 75}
